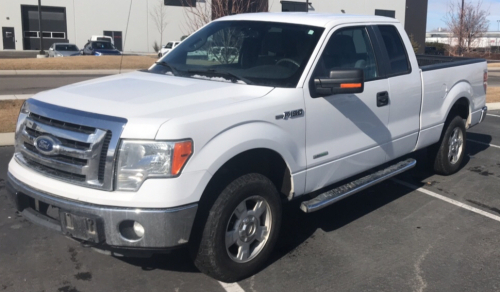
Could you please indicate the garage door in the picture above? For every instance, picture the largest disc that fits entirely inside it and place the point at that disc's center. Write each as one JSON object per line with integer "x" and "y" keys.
{"x": 53, "y": 25}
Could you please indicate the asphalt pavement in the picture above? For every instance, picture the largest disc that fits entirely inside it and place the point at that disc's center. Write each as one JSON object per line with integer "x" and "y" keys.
{"x": 391, "y": 237}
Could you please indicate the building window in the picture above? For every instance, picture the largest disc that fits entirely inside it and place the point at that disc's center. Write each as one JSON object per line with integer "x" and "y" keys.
{"x": 289, "y": 6}
{"x": 31, "y": 34}
{"x": 58, "y": 35}
{"x": 386, "y": 13}
{"x": 180, "y": 3}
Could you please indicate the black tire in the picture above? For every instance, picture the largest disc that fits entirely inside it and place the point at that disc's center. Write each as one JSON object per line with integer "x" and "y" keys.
{"x": 439, "y": 154}
{"x": 212, "y": 257}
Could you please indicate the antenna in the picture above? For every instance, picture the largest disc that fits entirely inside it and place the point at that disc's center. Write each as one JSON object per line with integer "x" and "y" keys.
{"x": 125, "y": 40}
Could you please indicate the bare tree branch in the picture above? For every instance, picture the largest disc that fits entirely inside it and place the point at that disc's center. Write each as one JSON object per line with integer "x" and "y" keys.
{"x": 472, "y": 27}
{"x": 199, "y": 14}
{"x": 159, "y": 16}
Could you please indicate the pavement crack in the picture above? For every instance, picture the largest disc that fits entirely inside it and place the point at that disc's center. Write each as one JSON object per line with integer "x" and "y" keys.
{"x": 421, "y": 284}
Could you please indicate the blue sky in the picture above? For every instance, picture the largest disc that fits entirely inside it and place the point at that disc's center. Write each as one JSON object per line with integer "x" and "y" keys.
{"x": 437, "y": 11}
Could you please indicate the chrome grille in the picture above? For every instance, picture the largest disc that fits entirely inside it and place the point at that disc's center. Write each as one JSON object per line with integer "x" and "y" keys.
{"x": 83, "y": 155}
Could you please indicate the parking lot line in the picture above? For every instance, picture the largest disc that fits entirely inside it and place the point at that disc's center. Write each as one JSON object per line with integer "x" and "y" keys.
{"x": 448, "y": 200}
{"x": 231, "y": 287}
{"x": 482, "y": 143}
{"x": 493, "y": 115}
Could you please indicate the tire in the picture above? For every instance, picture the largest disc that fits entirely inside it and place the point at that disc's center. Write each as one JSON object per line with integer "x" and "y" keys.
{"x": 447, "y": 155}
{"x": 235, "y": 216}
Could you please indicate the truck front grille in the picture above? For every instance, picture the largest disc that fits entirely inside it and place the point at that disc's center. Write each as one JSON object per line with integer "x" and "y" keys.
{"x": 81, "y": 153}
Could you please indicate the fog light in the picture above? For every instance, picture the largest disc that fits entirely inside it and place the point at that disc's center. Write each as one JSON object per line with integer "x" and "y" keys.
{"x": 131, "y": 230}
{"x": 138, "y": 229}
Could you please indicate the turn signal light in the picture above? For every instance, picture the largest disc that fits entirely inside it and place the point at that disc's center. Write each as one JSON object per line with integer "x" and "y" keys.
{"x": 485, "y": 81}
{"x": 182, "y": 152}
{"x": 350, "y": 85}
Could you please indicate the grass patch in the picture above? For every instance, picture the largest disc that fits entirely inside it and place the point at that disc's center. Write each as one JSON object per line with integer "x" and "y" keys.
{"x": 9, "y": 110}
{"x": 493, "y": 94}
{"x": 79, "y": 63}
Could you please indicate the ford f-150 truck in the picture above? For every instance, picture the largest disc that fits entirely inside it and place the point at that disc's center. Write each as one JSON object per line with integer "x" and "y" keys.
{"x": 203, "y": 152}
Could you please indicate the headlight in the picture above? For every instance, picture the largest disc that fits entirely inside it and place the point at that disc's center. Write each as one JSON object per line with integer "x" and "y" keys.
{"x": 139, "y": 160}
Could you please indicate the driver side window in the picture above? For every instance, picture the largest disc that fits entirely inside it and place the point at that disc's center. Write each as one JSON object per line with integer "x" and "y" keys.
{"x": 348, "y": 48}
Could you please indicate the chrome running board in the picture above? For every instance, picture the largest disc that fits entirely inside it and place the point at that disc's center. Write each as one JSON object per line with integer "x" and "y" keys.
{"x": 327, "y": 198}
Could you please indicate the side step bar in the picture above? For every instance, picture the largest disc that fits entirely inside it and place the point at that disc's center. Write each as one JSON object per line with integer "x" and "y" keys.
{"x": 327, "y": 198}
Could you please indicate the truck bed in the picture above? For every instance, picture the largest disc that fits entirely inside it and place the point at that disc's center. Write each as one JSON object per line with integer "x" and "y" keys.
{"x": 428, "y": 63}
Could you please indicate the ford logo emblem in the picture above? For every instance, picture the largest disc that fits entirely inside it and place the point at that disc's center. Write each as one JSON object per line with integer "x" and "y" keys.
{"x": 47, "y": 145}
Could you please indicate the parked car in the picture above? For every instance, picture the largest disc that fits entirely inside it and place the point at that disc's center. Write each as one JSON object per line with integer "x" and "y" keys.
{"x": 102, "y": 38}
{"x": 63, "y": 50}
{"x": 204, "y": 154}
{"x": 100, "y": 48}
{"x": 167, "y": 48}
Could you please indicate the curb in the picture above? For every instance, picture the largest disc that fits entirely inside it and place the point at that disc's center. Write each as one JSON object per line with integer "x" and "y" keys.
{"x": 6, "y": 139}
{"x": 66, "y": 72}
{"x": 493, "y": 106}
{"x": 15, "y": 96}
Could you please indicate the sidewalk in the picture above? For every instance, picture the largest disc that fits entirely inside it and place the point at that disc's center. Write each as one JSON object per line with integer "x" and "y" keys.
{"x": 65, "y": 72}
{"x": 15, "y": 96}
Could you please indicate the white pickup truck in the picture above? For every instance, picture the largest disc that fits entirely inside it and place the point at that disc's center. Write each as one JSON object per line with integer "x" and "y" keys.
{"x": 203, "y": 153}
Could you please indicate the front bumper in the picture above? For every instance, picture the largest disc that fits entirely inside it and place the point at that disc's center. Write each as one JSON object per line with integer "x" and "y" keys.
{"x": 163, "y": 228}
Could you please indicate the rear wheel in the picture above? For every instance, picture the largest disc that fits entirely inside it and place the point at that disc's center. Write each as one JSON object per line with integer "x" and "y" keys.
{"x": 448, "y": 154}
{"x": 241, "y": 229}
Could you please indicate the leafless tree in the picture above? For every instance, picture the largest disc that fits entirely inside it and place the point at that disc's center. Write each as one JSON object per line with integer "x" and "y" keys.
{"x": 199, "y": 14}
{"x": 467, "y": 24}
{"x": 159, "y": 16}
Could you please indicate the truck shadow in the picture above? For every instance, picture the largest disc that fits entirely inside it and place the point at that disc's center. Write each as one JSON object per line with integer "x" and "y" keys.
{"x": 297, "y": 227}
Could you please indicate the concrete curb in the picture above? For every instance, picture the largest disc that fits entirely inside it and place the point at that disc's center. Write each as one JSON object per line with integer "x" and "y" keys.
{"x": 65, "y": 72}
{"x": 15, "y": 96}
{"x": 493, "y": 106}
{"x": 6, "y": 139}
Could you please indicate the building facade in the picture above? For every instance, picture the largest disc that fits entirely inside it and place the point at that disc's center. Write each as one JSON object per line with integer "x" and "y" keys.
{"x": 75, "y": 21}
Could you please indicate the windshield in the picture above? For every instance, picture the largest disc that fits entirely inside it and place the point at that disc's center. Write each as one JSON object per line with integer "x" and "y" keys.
{"x": 66, "y": 48}
{"x": 251, "y": 52}
{"x": 168, "y": 46}
{"x": 102, "y": 45}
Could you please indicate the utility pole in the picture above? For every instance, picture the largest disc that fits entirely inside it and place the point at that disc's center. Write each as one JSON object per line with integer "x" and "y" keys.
{"x": 42, "y": 52}
{"x": 461, "y": 29}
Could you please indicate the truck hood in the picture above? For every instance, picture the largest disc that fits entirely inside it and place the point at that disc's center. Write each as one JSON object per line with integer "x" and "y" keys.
{"x": 148, "y": 100}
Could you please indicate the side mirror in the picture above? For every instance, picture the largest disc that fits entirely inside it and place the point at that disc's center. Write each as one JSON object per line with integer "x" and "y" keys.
{"x": 339, "y": 82}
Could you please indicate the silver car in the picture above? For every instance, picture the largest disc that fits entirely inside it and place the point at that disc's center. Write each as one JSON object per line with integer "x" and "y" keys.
{"x": 63, "y": 50}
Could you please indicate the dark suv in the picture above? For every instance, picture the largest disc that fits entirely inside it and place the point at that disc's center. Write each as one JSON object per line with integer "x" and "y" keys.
{"x": 100, "y": 48}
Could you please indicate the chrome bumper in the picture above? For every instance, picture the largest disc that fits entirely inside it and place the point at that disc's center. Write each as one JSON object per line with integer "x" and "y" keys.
{"x": 163, "y": 228}
{"x": 484, "y": 111}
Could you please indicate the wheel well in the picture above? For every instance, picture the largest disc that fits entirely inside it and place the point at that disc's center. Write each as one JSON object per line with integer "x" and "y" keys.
{"x": 264, "y": 161}
{"x": 461, "y": 108}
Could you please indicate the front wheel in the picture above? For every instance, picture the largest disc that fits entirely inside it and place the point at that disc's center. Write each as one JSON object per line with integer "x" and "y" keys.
{"x": 448, "y": 154}
{"x": 241, "y": 229}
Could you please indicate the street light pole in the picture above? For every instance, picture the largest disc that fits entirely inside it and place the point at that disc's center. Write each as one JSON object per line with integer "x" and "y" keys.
{"x": 42, "y": 52}
{"x": 461, "y": 29}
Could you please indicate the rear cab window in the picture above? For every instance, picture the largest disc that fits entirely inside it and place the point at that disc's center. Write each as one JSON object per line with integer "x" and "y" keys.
{"x": 398, "y": 62}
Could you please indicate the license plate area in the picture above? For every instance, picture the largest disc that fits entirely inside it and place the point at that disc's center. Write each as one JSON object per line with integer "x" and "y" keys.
{"x": 82, "y": 227}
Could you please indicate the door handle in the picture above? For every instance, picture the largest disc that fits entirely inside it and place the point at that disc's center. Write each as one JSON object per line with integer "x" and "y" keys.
{"x": 382, "y": 98}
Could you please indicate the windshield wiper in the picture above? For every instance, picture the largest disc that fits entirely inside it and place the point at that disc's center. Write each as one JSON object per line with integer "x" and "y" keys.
{"x": 165, "y": 64}
{"x": 212, "y": 72}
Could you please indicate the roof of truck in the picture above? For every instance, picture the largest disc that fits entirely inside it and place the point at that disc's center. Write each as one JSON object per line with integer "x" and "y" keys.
{"x": 311, "y": 18}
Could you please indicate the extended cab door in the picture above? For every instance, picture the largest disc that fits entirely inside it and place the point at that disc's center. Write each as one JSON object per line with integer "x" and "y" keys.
{"x": 405, "y": 94}
{"x": 345, "y": 132}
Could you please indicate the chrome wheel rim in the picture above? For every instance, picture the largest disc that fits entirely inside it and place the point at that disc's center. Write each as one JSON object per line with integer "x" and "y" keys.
{"x": 455, "y": 145}
{"x": 248, "y": 229}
